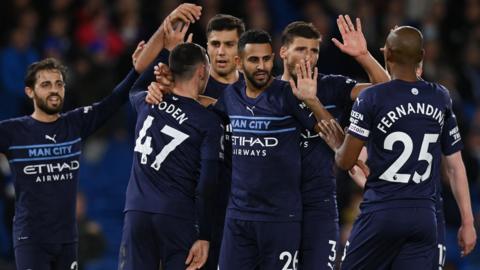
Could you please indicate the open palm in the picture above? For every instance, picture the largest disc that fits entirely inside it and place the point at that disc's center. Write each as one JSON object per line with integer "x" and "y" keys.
{"x": 354, "y": 43}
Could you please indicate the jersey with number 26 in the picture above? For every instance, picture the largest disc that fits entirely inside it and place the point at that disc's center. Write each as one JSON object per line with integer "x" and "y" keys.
{"x": 407, "y": 126}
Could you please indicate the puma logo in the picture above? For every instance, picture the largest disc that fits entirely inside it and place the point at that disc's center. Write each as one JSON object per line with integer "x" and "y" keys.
{"x": 251, "y": 110}
{"x": 51, "y": 138}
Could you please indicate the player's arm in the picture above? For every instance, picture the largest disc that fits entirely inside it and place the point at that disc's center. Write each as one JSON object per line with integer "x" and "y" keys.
{"x": 186, "y": 13}
{"x": 305, "y": 90}
{"x": 457, "y": 177}
{"x": 357, "y": 173}
{"x": 160, "y": 44}
{"x": 355, "y": 45}
{"x": 204, "y": 199}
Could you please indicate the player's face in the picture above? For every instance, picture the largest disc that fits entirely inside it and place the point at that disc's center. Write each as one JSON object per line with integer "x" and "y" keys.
{"x": 222, "y": 49}
{"x": 49, "y": 91}
{"x": 257, "y": 64}
{"x": 300, "y": 48}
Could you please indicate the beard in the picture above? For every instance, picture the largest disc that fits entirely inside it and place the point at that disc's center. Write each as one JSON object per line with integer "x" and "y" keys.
{"x": 258, "y": 84}
{"x": 42, "y": 104}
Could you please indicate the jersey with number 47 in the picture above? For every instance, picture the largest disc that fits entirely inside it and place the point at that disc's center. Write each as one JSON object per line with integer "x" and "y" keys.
{"x": 174, "y": 141}
{"x": 407, "y": 126}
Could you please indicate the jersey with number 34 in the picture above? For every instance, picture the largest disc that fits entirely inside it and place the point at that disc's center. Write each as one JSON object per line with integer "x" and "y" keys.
{"x": 171, "y": 141}
{"x": 407, "y": 127}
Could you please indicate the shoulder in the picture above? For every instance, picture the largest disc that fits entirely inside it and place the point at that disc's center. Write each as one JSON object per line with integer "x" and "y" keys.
{"x": 10, "y": 124}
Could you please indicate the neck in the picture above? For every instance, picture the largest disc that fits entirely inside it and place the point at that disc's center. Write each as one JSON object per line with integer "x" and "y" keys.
{"x": 187, "y": 89}
{"x": 41, "y": 116}
{"x": 403, "y": 73}
{"x": 252, "y": 91}
{"x": 225, "y": 79}
{"x": 286, "y": 76}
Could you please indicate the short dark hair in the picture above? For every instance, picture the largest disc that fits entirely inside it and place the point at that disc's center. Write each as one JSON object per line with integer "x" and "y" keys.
{"x": 222, "y": 22}
{"x": 299, "y": 29}
{"x": 45, "y": 64}
{"x": 184, "y": 58}
{"x": 253, "y": 37}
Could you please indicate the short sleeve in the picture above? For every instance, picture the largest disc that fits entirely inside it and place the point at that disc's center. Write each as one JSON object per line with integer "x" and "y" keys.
{"x": 451, "y": 140}
{"x": 361, "y": 116}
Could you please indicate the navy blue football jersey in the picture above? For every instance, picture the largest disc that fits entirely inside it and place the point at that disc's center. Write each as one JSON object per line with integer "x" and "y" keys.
{"x": 175, "y": 141}
{"x": 44, "y": 158}
{"x": 214, "y": 88}
{"x": 265, "y": 153}
{"x": 407, "y": 127}
{"x": 317, "y": 158}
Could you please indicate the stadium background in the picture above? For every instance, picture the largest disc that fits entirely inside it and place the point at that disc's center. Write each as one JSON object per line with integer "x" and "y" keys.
{"x": 95, "y": 39}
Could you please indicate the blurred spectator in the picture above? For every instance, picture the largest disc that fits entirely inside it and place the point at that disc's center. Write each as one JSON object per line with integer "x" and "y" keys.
{"x": 14, "y": 60}
{"x": 97, "y": 36}
{"x": 57, "y": 43}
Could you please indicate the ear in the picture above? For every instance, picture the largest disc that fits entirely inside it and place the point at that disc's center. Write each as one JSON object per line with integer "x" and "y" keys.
{"x": 238, "y": 62}
{"x": 283, "y": 52}
{"x": 201, "y": 71}
{"x": 29, "y": 92}
{"x": 388, "y": 55}
{"x": 422, "y": 55}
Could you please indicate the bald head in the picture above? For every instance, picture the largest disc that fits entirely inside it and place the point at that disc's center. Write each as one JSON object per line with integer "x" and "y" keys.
{"x": 405, "y": 46}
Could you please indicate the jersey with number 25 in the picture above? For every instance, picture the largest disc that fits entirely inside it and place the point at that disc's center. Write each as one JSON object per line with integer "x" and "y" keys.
{"x": 407, "y": 126}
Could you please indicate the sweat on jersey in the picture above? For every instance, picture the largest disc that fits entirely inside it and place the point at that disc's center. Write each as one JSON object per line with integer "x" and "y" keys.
{"x": 407, "y": 127}
{"x": 265, "y": 154}
{"x": 44, "y": 158}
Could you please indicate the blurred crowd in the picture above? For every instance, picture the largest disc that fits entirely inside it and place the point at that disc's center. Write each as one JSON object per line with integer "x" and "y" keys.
{"x": 95, "y": 39}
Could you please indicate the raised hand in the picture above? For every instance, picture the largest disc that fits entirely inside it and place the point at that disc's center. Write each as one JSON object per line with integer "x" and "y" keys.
{"x": 198, "y": 255}
{"x": 187, "y": 13}
{"x": 354, "y": 43}
{"x": 174, "y": 35}
{"x": 306, "y": 87}
{"x": 163, "y": 85}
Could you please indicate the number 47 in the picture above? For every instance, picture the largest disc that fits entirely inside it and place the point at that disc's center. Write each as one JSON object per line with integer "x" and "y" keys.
{"x": 145, "y": 148}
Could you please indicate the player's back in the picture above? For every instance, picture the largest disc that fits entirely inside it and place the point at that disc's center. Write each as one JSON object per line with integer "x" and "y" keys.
{"x": 170, "y": 142}
{"x": 404, "y": 123}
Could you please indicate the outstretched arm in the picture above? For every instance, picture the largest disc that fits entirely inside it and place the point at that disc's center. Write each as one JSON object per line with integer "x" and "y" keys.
{"x": 355, "y": 45}
{"x": 457, "y": 177}
{"x": 186, "y": 13}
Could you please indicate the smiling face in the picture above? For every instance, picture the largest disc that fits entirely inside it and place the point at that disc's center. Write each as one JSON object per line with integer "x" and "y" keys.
{"x": 48, "y": 91}
{"x": 222, "y": 49}
{"x": 300, "y": 49}
{"x": 257, "y": 63}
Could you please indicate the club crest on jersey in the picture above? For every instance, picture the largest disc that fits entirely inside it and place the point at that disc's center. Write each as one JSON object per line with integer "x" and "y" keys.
{"x": 415, "y": 91}
{"x": 51, "y": 138}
